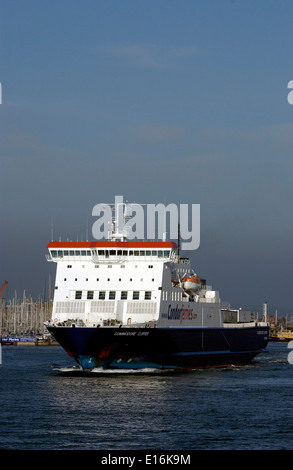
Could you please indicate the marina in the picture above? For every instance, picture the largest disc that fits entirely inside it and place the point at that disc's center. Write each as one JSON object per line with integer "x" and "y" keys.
{"x": 22, "y": 322}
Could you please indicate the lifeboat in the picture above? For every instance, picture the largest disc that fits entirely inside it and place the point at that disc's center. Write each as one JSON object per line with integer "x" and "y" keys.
{"x": 191, "y": 284}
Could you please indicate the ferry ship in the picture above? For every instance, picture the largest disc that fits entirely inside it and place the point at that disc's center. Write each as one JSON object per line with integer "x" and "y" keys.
{"x": 123, "y": 304}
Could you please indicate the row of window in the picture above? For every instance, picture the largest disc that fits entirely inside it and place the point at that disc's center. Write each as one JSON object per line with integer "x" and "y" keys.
{"x": 173, "y": 295}
{"x": 108, "y": 253}
{"x": 108, "y": 279}
{"x": 124, "y": 295}
{"x": 150, "y": 266}
{"x": 61, "y": 253}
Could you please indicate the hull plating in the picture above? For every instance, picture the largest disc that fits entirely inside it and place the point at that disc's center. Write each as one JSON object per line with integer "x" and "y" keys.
{"x": 132, "y": 348}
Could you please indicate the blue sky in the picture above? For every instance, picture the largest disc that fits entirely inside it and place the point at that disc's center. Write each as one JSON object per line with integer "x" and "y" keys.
{"x": 159, "y": 101}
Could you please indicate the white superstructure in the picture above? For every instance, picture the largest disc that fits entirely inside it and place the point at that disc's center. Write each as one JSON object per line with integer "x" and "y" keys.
{"x": 111, "y": 282}
{"x": 120, "y": 304}
{"x": 132, "y": 283}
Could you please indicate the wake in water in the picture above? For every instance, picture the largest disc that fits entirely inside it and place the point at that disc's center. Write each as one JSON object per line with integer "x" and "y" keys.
{"x": 77, "y": 371}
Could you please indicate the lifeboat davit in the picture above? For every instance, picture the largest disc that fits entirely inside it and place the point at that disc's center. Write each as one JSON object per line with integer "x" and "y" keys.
{"x": 191, "y": 284}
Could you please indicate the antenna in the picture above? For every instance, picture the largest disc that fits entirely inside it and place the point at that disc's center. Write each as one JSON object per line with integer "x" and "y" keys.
{"x": 51, "y": 228}
{"x": 49, "y": 290}
{"x": 178, "y": 241}
{"x": 265, "y": 311}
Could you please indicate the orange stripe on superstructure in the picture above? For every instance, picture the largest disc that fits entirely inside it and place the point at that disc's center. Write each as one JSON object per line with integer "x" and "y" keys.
{"x": 111, "y": 244}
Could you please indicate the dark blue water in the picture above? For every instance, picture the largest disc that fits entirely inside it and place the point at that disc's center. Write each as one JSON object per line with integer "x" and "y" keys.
{"x": 47, "y": 405}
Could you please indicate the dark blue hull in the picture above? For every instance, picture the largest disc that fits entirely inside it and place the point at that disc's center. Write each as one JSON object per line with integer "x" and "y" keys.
{"x": 186, "y": 348}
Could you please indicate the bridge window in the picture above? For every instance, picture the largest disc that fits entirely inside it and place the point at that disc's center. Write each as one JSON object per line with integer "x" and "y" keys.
{"x": 102, "y": 295}
{"x": 112, "y": 295}
{"x": 135, "y": 295}
{"x": 147, "y": 295}
{"x": 124, "y": 295}
{"x": 78, "y": 294}
{"x": 90, "y": 294}
{"x": 122, "y": 252}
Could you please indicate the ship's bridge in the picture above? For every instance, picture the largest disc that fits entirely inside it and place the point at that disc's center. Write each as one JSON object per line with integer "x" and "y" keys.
{"x": 111, "y": 251}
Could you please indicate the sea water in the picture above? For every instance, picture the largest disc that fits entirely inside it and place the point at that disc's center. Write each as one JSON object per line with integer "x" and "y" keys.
{"x": 48, "y": 403}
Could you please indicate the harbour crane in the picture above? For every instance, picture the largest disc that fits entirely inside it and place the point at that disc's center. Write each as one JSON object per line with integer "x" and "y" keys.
{"x": 2, "y": 288}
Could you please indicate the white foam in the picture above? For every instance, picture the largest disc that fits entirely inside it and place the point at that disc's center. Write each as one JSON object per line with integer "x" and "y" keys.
{"x": 100, "y": 370}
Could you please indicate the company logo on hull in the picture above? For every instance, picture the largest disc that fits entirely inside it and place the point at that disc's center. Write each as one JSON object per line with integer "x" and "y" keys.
{"x": 180, "y": 313}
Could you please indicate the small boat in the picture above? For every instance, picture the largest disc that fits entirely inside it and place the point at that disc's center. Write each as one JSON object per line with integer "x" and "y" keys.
{"x": 191, "y": 284}
{"x": 282, "y": 335}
